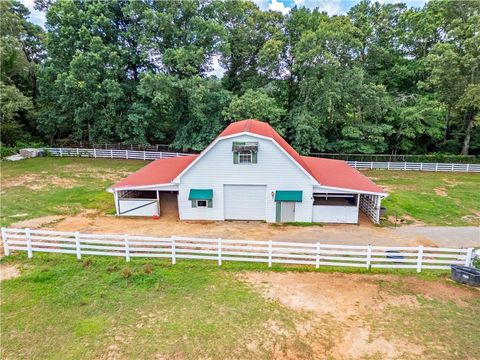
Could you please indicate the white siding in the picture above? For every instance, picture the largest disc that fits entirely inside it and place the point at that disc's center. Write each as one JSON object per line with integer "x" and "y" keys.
{"x": 143, "y": 207}
{"x": 335, "y": 214}
{"x": 245, "y": 202}
{"x": 216, "y": 169}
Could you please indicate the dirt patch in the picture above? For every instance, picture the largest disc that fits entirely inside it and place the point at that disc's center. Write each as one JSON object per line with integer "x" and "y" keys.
{"x": 39, "y": 182}
{"x": 334, "y": 296}
{"x": 440, "y": 191}
{"x": 331, "y": 294}
{"x": 442, "y": 291}
{"x": 8, "y": 272}
{"x": 452, "y": 183}
{"x": 44, "y": 221}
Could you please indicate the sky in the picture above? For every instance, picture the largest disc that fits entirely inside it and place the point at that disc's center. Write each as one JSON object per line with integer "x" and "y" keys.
{"x": 332, "y": 7}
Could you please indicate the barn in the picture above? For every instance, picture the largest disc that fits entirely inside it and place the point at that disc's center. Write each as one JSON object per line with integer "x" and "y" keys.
{"x": 249, "y": 172}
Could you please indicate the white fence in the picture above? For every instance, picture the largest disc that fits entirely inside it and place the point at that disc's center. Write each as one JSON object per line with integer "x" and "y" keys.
{"x": 270, "y": 252}
{"x": 153, "y": 155}
{"x": 475, "y": 168}
{"x": 112, "y": 153}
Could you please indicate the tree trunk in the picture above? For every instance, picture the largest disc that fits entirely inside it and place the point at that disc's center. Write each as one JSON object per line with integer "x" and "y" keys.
{"x": 466, "y": 141}
{"x": 447, "y": 122}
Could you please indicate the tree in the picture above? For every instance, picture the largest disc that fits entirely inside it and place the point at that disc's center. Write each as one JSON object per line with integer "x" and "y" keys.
{"x": 21, "y": 50}
{"x": 255, "y": 105}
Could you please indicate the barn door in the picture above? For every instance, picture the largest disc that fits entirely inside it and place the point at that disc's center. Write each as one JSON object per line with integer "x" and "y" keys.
{"x": 288, "y": 211}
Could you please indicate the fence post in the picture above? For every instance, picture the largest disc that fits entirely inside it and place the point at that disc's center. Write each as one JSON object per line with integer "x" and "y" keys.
{"x": 269, "y": 253}
{"x": 219, "y": 251}
{"x": 369, "y": 256}
{"x": 371, "y": 165}
{"x": 420, "y": 258}
{"x": 127, "y": 248}
{"x": 78, "y": 152}
{"x": 6, "y": 250}
{"x": 421, "y": 166}
{"x": 77, "y": 245}
{"x": 468, "y": 259}
{"x": 144, "y": 155}
{"x": 174, "y": 260}
{"x": 405, "y": 166}
{"x": 388, "y": 165}
{"x": 317, "y": 260}
{"x": 126, "y": 154}
{"x": 436, "y": 167}
{"x": 94, "y": 152}
{"x": 468, "y": 167}
{"x": 61, "y": 153}
{"x": 452, "y": 167}
{"x": 29, "y": 244}
{"x": 111, "y": 153}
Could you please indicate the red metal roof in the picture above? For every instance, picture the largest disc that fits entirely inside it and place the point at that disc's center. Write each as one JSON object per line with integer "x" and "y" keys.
{"x": 328, "y": 172}
{"x": 264, "y": 129}
{"x": 337, "y": 173}
{"x": 161, "y": 171}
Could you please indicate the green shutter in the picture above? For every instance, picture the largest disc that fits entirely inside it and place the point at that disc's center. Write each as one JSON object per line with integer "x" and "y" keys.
{"x": 194, "y": 203}
{"x": 235, "y": 157}
{"x": 209, "y": 203}
{"x": 254, "y": 157}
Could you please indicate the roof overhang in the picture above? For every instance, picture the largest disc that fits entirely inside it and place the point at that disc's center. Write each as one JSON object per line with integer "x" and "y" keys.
{"x": 353, "y": 191}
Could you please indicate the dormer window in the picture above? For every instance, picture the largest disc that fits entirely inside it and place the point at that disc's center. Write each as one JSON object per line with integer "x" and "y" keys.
{"x": 245, "y": 152}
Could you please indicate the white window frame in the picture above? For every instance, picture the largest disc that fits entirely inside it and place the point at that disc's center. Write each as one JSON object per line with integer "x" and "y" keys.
{"x": 248, "y": 155}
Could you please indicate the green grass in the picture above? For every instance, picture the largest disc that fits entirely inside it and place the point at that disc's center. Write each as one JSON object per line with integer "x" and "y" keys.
{"x": 413, "y": 196}
{"x": 61, "y": 308}
{"x": 59, "y": 186}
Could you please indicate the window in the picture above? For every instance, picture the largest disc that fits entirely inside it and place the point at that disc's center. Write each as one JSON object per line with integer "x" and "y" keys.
{"x": 201, "y": 203}
{"x": 244, "y": 152}
{"x": 245, "y": 157}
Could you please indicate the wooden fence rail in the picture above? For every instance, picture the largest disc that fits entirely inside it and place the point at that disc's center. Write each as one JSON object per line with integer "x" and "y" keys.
{"x": 220, "y": 250}
{"x": 153, "y": 155}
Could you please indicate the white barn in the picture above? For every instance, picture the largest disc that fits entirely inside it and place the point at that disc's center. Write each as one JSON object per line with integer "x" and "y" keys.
{"x": 249, "y": 172}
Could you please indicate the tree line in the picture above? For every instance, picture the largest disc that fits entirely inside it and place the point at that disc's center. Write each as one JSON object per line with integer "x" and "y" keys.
{"x": 383, "y": 78}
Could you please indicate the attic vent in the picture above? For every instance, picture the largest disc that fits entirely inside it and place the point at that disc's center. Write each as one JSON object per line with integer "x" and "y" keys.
{"x": 245, "y": 146}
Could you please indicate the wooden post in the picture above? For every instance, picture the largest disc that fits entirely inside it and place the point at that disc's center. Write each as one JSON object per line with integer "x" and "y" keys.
{"x": 29, "y": 244}
{"x": 61, "y": 154}
{"x": 436, "y": 167}
{"x": 6, "y": 250}
{"x": 78, "y": 152}
{"x": 317, "y": 260}
{"x": 269, "y": 253}
{"x": 126, "y": 154}
{"x": 219, "y": 251}
{"x": 468, "y": 167}
{"x": 111, "y": 153}
{"x": 174, "y": 260}
{"x": 77, "y": 245}
{"x": 127, "y": 249}
{"x": 420, "y": 258}
{"x": 94, "y": 152}
{"x": 144, "y": 155}
{"x": 468, "y": 259}
{"x": 369, "y": 256}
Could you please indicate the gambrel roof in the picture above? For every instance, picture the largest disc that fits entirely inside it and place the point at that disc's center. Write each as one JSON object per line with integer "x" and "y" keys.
{"x": 336, "y": 174}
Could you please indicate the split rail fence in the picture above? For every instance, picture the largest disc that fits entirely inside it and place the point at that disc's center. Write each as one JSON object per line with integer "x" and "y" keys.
{"x": 220, "y": 250}
{"x": 154, "y": 155}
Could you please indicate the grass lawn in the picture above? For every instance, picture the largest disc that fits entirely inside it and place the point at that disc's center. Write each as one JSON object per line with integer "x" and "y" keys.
{"x": 104, "y": 308}
{"x": 59, "y": 186}
{"x": 431, "y": 198}
{"x": 66, "y": 186}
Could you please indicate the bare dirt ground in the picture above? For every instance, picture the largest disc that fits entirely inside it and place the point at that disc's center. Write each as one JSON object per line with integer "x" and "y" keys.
{"x": 168, "y": 225}
{"x": 8, "y": 272}
{"x": 331, "y": 297}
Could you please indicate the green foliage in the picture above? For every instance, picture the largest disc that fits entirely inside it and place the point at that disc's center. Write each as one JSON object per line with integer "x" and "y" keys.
{"x": 381, "y": 78}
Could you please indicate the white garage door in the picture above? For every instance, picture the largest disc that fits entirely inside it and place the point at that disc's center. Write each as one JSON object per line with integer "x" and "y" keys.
{"x": 245, "y": 202}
